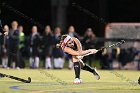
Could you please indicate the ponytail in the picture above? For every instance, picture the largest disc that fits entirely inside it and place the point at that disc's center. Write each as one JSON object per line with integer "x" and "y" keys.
{"x": 61, "y": 41}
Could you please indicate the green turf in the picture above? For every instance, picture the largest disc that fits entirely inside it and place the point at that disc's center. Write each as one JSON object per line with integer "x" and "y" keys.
{"x": 61, "y": 81}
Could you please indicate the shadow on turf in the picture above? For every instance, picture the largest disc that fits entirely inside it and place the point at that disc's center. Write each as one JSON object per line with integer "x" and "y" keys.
{"x": 122, "y": 77}
{"x": 53, "y": 77}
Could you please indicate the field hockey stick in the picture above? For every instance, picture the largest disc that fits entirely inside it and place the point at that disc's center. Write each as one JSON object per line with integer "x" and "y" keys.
{"x": 113, "y": 45}
{"x": 110, "y": 46}
{"x": 16, "y": 78}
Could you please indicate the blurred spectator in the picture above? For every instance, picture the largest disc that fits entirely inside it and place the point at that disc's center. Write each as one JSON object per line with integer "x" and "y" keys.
{"x": 72, "y": 33}
{"x": 4, "y": 47}
{"x": 105, "y": 58}
{"x": 137, "y": 59}
{"x": 130, "y": 64}
{"x": 21, "y": 47}
{"x": 47, "y": 45}
{"x": 89, "y": 43}
{"x": 115, "y": 64}
{"x": 34, "y": 41}
{"x": 123, "y": 57}
{"x": 130, "y": 55}
{"x": 1, "y": 42}
{"x": 13, "y": 45}
{"x": 57, "y": 52}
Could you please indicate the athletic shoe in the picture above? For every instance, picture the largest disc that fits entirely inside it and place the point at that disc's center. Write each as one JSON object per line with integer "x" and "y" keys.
{"x": 77, "y": 81}
{"x": 96, "y": 74}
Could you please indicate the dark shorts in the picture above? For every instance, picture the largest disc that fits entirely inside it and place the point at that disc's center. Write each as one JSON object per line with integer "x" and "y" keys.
{"x": 48, "y": 51}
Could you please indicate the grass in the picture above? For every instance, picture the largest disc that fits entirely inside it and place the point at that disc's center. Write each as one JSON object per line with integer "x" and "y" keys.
{"x": 61, "y": 81}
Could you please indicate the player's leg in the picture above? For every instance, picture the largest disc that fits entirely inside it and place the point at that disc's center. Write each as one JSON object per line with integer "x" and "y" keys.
{"x": 48, "y": 64}
{"x": 90, "y": 69}
{"x": 77, "y": 72}
{"x": 48, "y": 53}
{"x": 36, "y": 62}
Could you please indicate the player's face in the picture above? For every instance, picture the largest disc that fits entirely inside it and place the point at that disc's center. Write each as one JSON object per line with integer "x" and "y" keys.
{"x": 70, "y": 43}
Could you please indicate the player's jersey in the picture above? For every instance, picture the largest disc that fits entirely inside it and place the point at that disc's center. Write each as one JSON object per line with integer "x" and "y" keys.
{"x": 69, "y": 56}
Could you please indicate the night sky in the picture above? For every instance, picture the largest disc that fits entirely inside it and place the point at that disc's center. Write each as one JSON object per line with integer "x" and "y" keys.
{"x": 40, "y": 11}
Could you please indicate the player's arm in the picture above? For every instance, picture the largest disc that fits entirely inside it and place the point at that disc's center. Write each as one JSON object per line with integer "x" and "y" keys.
{"x": 78, "y": 53}
{"x": 79, "y": 46}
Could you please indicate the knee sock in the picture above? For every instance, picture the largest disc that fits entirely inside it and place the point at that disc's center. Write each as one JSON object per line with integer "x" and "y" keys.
{"x": 31, "y": 61}
{"x": 56, "y": 63}
{"x": 62, "y": 63}
{"x": 88, "y": 68}
{"x": 36, "y": 62}
{"x": 77, "y": 69}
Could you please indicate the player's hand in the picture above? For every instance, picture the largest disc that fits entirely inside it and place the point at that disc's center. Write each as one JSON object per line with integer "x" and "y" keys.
{"x": 79, "y": 57}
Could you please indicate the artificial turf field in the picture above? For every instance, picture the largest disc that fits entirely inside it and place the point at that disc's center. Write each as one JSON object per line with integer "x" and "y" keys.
{"x": 61, "y": 81}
